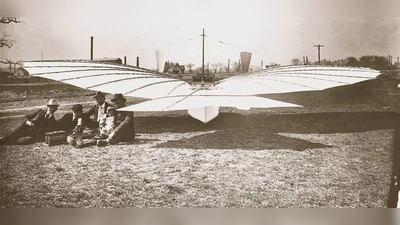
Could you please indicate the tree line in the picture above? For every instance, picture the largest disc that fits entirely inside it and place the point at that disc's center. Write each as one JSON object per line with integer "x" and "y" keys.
{"x": 369, "y": 61}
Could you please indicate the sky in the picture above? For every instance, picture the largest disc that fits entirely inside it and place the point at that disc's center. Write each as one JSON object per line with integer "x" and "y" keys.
{"x": 273, "y": 31}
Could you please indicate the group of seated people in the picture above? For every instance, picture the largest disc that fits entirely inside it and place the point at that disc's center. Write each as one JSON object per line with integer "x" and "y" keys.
{"x": 102, "y": 122}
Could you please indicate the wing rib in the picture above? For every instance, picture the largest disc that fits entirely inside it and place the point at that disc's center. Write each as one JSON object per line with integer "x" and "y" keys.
{"x": 180, "y": 100}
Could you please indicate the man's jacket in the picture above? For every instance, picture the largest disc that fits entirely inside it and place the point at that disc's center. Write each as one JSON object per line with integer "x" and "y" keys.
{"x": 124, "y": 128}
{"x": 95, "y": 109}
{"x": 68, "y": 123}
{"x": 42, "y": 125}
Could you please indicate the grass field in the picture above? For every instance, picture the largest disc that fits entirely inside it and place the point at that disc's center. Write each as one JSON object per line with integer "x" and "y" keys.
{"x": 337, "y": 151}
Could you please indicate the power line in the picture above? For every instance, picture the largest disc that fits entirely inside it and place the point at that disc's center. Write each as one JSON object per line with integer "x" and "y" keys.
{"x": 166, "y": 45}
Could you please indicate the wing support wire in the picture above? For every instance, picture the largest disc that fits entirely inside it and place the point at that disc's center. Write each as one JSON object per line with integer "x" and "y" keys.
{"x": 173, "y": 89}
{"x": 315, "y": 68}
{"x": 129, "y": 69}
{"x": 148, "y": 85}
{"x": 294, "y": 74}
{"x": 187, "y": 96}
{"x": 93, "y": 64}
{"x": 286, "y": 82}
{"x": 305, "y": 77}
{"x": 131, "y": 78}
{"x": 253, "y": 79}
{"x": 71, "y": 71}
{"x": 105, "y": 74}
{"x": 278, "y": 73}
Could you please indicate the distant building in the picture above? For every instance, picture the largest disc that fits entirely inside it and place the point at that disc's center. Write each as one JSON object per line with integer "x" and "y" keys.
{"x": 20, "y": 76}
{"x": 173, "y": 68}
{"x": 4, "y": 77}
{"x": 109, "y": 60}
{"x": 20, "y": 72}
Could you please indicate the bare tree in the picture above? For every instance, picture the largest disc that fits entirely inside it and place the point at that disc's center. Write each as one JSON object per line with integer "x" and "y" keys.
{"x": 226, "y": 69}
{"x": 220, "y": 65}
{"x": 9, "y": 20}
{"x": 190, "y": 65}
{"x": 272, "y": 64}
{"x": 5, "y": 39}
{"x": 295, "y": 61}
{"x": 215, "y": 67}
{"x": 254, "y": 68}
{"x": 11, "y": 63}
{"x": 235, "y": 67}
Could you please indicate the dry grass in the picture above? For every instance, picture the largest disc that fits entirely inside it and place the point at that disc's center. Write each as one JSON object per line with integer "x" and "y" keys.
{"x": 351, "y": 173}
{"x": 261, "y": 158}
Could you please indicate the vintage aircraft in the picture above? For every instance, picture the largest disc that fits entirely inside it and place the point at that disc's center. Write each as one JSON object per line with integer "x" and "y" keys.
{"x": 167, "y": 92}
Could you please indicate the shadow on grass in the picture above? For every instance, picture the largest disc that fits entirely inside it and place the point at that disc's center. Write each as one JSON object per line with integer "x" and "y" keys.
{"x": 260, "y": 131}
{"x": 238, "y": 140}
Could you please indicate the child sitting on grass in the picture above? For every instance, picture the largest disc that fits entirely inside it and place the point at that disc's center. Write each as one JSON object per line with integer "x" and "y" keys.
{"x": 107, "y": 123}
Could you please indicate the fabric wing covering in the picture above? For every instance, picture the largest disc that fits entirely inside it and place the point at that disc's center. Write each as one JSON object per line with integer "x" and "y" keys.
{"x": 109, "y": 78}
{"x": 168, "y": 92}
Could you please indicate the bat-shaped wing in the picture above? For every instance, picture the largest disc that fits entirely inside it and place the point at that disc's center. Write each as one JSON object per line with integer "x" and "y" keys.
{"x": 109, "y": 78}
{"x": 294, "y": 79}
{"x": 168, "y": 92}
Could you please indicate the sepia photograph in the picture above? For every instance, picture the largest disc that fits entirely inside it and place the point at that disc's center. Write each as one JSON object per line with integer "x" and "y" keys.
{"x": 199, "y": 104}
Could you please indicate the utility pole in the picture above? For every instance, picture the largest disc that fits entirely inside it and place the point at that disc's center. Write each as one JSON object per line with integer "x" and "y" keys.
{"x": 319, "y": 48}
{"x": 91, "y": 48}
{"x": 202, "y": 64}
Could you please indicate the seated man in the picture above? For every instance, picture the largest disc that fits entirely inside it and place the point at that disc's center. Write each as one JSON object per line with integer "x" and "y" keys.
{"x": 124, "y": 124}
{"x": 107, "y": 123}
{"x": 34, "y": 126}
{"x": 73, "y": 123}
{"x": 99, "y": 109}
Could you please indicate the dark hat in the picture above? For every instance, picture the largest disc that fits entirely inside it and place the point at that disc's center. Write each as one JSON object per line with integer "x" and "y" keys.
{"x": 118, "y": 97}
{"x": 77, "y": 108}
{"x": 111, "y": 108}
{"x": 99, "y": 94}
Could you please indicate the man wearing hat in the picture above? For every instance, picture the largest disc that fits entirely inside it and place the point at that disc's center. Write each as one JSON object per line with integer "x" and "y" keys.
{"x": 34, "y": 126}
{"x": 99, "y": 109}
{"x": 124, "y": 126}
{"x": 73, "y": 123}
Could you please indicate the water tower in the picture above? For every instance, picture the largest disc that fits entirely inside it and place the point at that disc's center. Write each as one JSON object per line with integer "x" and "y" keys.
{"x": 160, "y": 60}
{"x": 245, "y": 58}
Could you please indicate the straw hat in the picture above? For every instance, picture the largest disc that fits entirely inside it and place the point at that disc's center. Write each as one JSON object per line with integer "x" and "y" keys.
{"x": 52, "y": 102}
